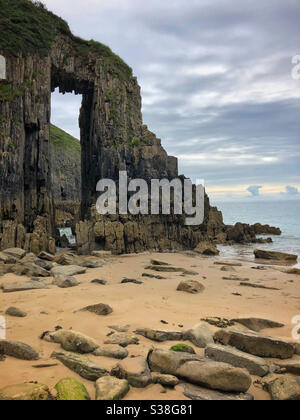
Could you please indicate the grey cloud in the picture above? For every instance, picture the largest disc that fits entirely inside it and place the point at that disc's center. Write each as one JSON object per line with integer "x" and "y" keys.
{"x": 291, "y": 190}
{"x": 254, "y": 190}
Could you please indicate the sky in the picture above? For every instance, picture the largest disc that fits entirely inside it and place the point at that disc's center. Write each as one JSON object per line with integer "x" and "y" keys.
{"x": 220, "y": 85}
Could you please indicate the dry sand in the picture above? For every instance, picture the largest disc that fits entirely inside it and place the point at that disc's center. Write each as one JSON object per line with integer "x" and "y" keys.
{"x": 140, "y": 306}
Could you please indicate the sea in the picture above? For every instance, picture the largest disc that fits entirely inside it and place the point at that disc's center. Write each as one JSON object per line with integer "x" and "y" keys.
{"x": 282, "y": 214}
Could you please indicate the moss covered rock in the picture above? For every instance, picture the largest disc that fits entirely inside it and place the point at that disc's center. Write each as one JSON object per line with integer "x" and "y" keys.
{"x": 70, "y": 389}
{"x": 184, "y": 348}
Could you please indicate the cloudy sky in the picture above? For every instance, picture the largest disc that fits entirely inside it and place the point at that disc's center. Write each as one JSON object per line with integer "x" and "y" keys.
{"x": 217, "y": 85}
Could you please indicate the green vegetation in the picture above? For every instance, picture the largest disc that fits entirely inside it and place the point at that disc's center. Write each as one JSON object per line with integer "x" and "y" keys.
{"x": 70, "y": 389}
{"x": 28, "y": 27}
{"x": 183, "y": 348}
{"x": 63, "y": 140}
{"x": 8, "y": 93}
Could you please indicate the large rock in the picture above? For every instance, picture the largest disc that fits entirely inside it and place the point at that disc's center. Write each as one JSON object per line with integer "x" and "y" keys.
{"x": 98, "y": 309}
{"x": 72, "y": 341}
{"x": 25, "y": 392}
{"x": 200, "y": 335}
{"x": 64, "y": 282}
{"x": 122, "y": 339}
{"x": 191, "y": 286}
{"x": 18, "y": 350}
{"x": 200, "y": 371}
{"x": 257, "y": 324}
{"x": 81, "y": 365}
{"x": 15, "y": 312}
{"x": 285, "y": 389}
{"x": 135, "y": 370}
{"x": 255, "y": 343}
{"x": 110, "y": 388}
{"x": 29, "y": 269}
{"x": 272, "y": 255}
{"x": 69, "y": 389}
{"x": 16, "y": 253}
{"x": 115, "y": 351}
{"x": 160, "y": 336}
{"x": 23, "y": 286}
{"x": 207, "y": 248}
{"x": 7, "y": 259}
{"x": 69, "y": 270}
{"x": 254, "y": 365}
{"x": 199, "y": 394}
{"x": 292, "y": 366}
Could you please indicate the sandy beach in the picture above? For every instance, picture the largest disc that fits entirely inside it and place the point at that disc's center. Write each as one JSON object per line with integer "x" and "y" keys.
{"x": 143, "y": 306}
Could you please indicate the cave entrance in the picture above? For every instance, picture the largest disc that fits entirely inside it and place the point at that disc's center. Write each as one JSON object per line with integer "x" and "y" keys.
{"x": 65, "y": 152}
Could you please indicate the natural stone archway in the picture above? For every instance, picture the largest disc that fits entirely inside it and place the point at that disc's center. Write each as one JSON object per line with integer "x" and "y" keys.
{"x": 113, "y": 138}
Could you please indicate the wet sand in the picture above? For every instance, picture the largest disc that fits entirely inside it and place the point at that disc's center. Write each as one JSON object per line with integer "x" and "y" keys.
{"x": 144, "y": 305}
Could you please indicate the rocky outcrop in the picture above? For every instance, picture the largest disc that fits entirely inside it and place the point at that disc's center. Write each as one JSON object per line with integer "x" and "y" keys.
{"x": 273, "y": 255}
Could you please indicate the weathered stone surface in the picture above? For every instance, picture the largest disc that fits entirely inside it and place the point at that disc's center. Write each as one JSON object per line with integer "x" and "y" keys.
{"x": 16, "y": 312}
{"x": 207, "y": 248}
{"x": 29, "y": 269}
{"x": 200, "y": 371}
{"x": 165, "y": 380}
{"x": 110, "y": 388}
{"x": 191, "y": 286}
{"x": 254, "y": 365}
{"x": 272, "y": 255}
{"x": 200, "y": 335}
{"x": 255, "y": 343}
{"x": 70, "y": 389}
{"x": 25, "y": 392}
{"x": 159, "y": 336}
{"x": 258, "y": 324}
{"x": 122, "y": 339}
{"x": 135, "y": 370}
{"x": 80, "y": 364}
{"x": 46, "y": 265}
{"x": 46, "y": 256}
{"x": 285, "y": 389}
{"x": 71, "y": 270}
{"x": 18, "y": 350}
{"x": 72, "y": 341}
{"x": 7, "y": 259}
{"x": 98, "y": 309}
{"x": 65, "y": 282}
{"x": 292, "y": 366}
{"x": 199, "y": 394}
{"x": 16, "y": 253}
{"x": 23, "y": 286}
{"x": 114, "y": 351}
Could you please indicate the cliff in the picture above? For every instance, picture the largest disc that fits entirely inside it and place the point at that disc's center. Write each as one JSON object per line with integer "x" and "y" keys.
{"x": 41, "y": 55}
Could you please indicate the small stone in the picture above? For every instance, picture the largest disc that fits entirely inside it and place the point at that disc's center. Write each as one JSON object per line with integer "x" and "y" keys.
{"x": 65, "y": 282}
{"x": 160, "y": 336}
{"x": 134, "y": 281}
{"x": 71, "y": 341}
{"x": 98, "y": 281}
{"x": 98, "y": 309}
{"x": 15, "y": 312}
{"x": 165, "y": 380}
{"x": 191, "y": 286}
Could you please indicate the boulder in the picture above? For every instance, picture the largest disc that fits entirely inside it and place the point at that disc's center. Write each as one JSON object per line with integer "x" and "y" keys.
{"x": 70, "y": 389}
{"x": 72, "y": 341}
{"x": 135, "y": 370}
{"x": 25, "y": 392}
{"x": 15, "y": 312}
{"x": 122, "y": 339}
{"x": 200, "y": 371}
{"x": 23, "y": 286}
{"x": 109, "y": 388}
{"x": 191, "y": 286}
{"x": 29, "y": 269}
{"x": 199, "y": 394}
{"x": 98, "y": 309}
{"x": 18, "y": 350}
{"x": 64, "y": 282}
{"x": 16, "y": 253}
{"x": 292, "y": 366}
{"x": 71, "y": 270}
{"x": 164, "y": 380}
{"x": 200, "y": 335}
{"x": 160, "y": 336}
{"x": 272, "y": 255}
{"x": 254, "y": 365}
{"x": 255, "y": 343}
{"x": 285, "y": 389}
{"x": 207, "y": 248}
{"x": 7, "y": 259}
{"x": 257, "y": 324}
{"x": 81, "y": 365}
{"x": 114, "y": 351}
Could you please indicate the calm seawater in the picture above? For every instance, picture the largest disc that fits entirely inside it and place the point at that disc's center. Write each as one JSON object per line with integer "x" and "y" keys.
{"x": 282, "y": 214}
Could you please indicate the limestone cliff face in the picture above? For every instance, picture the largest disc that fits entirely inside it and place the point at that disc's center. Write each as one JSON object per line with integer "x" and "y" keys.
{"x": 42, "y": 54}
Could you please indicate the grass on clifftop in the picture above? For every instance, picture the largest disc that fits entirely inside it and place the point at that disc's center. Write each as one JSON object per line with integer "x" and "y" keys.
{"x": 59, "y": 139}
{"x": 28, "y": 27}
